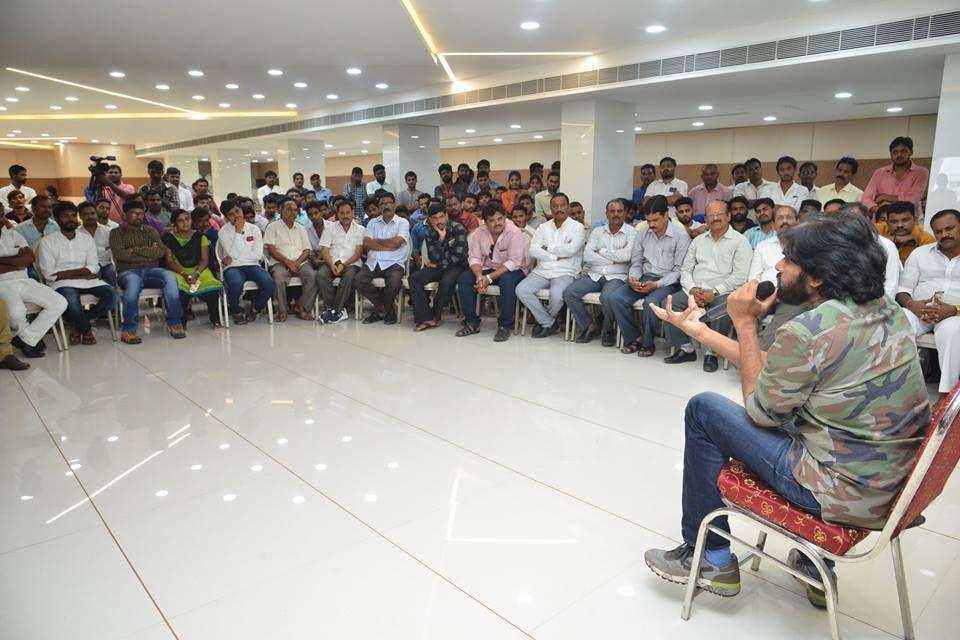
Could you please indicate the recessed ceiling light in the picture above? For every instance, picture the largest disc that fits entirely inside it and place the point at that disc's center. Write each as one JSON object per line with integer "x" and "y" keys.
{"x": 56, "y": 107}
{"x": 354, "y": 71}
{"x": 232, "y": 85}
{"x": 655, "y": 28}
{"x": 11, "y": 99}
{"x": 33, "y": 142}
{"x": 161, "y": 87}
{"x": 638, "y": 129}
{"x": 697, "y": 123}
{"x": 514, "y": 126}
{"x": 255, "y": 161}
{"x": 382, "y": 85}
{"x": 113, "y": 143}
{"x": 306, "y": 149}
{"x": 364, "y": 151}
{"x": 540, "y": 137}
{"x": 291, "y": 105}
{"x": 461, "y": 142}
{"x": 117, "y": 74}
{"x": 342, "y": 153}
{"x": 11, "y": 135}
{"x": 530, "y": 25}
{"x": 16, "y": 130}
{"x": 300, "y": 85}
{"x": 258, "y": 96}
{"x": 94, "y": 141}
{"x": 2, "y": 108}
{"x": 22, "y": 89}
{"x": 705, "y": 107}
{"x": 364, "y": 142}
{"x": 498, "y": 139}
{"x": 894, "y": 109}
{"x": 414, "y": 137}
{"x": 269, "y": 159}
{"x": 469, "y": 130}
{"x": 196, "y": 73}
{"x": 842, "y": 95}
{"x": 109, "y": 106}
{"x": 619, "y": 131}
{"x": 770, "y": 118}
{"x": 263, "y": 153}
{"x": 26, "y": 498}
{"x": 224, "y": 105}
{"x": 197, "y": 97}
{"x": 71, "y": 98}
{"x": 275, "y": 72}
{"x": 332, "y": 96}
{"x": 204, "y": 159}
{"x": 328, "y": 146}
{"x": 44, "y": 135}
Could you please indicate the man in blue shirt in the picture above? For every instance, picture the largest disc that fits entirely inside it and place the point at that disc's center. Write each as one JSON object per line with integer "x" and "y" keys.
{"x": 387, "y": 241}
{"x": 648, "y": 174}
{"x": 323, "y": 194}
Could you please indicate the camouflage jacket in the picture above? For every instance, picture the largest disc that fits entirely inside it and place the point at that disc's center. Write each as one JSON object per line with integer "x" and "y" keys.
{"x": 844, "y": 381}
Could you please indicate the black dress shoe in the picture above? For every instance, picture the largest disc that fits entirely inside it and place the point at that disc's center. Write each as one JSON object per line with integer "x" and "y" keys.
{"x": 710, "y": 364}
{"x": 25, "y": 349}
{"x": 681, "y": 356}
{"x": 548, "y": 331}
{"x": 373, "y": 317}
{"x": 585, "y": 336}
{"x": 41, "y": 346}
{"x": 503, "y": 334}
{"x": 537, "y": 331}
{"x": 390, "y": 320}
{"x": 609, "y": 340}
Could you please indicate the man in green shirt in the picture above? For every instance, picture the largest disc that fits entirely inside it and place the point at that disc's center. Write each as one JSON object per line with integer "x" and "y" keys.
{"x": 833, "y": 415}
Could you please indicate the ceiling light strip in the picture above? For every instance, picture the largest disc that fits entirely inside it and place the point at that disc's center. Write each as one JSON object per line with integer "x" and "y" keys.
{"x": 193, "y": 115}
{"x": 446, "y": 67}
{"x": 26, "y": 145}
{"x": 415, "y": 17}
{"x": 98, "y": 90}
{"x": 516, "y": 53}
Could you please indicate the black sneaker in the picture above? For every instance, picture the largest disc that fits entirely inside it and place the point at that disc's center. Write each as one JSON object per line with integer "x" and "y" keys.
{"x": 608, "y": 340}
{"x": 25, "y": 349}
{"x": 681, "y": 356}
{"x": 710, "y": 363}
{"x": 373, "y": 317}
{"x": 546, "y": 332}
{"x": 503, "y": 334}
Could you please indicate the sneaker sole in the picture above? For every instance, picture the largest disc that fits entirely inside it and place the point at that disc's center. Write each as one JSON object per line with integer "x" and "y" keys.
{"x": 716, "y": 588}
{"x": 816, "y": 598}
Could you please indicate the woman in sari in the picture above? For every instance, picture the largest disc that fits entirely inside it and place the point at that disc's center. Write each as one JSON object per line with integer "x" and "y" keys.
{"x": 187, "y": 255}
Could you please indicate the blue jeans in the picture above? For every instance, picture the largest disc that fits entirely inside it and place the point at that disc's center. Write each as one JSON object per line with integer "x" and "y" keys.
{"x": 80, "y": 319}
{"x": 718, "y": 429}
{"x": 573, "y": 297}
{"x": 508, "y": 296}
{"x": 133, "y": 281}
{"x": 622, "y": 303}
{"x": 108, "y": 273}
{"x": 235, "y": 277}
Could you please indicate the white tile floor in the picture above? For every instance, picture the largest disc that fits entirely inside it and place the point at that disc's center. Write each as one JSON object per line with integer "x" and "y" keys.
{"x": 350, "y": 482}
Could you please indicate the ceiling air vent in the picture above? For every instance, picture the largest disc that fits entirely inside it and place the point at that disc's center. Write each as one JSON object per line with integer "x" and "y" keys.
{"x": 892, "y": 32}
{"x": 648, "y": 69}
{"x": 628, "y": 72}
{"x": 672, "y": 66}
{"x": 608, "y": 75}
{"x": 946, "y": 24}
{"x": 792, "y": 48}
{"x": 824, "y": 43}
{"x": 733, "y": 57}
{"x": 921, "y": 28}
{"x": 857, "y": 38}
{"x": 764, "y": 52}
{"x": 707, "y": 60}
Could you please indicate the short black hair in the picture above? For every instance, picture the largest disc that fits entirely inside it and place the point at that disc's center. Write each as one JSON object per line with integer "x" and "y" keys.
{"x": 356, "y": 171}
{"x": 482, "y": 161}
{"x": 410, "y": 174}
{"x": 15, "y": 169}
{"x": 491, "y": 209}
{"x": 682, "y": 201}
{"x": 751, "y": 161}
{"x": 435, "y": 208}
{"x": 790, "y": 160}
{"x": 283, "y": 202}
{"x": 63, "y": 205}
{"x": 472, "y": 196}
{"x": 810, "y": 203}
{"x": 313, "y": 205}
{"x": 424, "y": 195}
{"x": 228, "y": 205}
{"x": 809, "y": 164}
{"x": 668, "y": 159}
{"x": 445, "y": 167}
{"x": 842, "y": 252}
{"x": 294, "y": 176}
{"x": 745, "y": 202}
{"x": 314, "y": 175}
{"x": 524, "y": 196}
{"x": 555, "y": 165}
{"x": 271, "y": 198}
{"x": 152, "y": 192}
{"x": 270, "y": 173}
{"x": 943, "y": 214}
{"x": 554, "y": 174}
{"x": 380, "y": 167}
{"x": 906, "y": 141}
{"x": 536, "y": 167}
{"x": 850, "y": 162}
{"x": 739, "y": 165}
{"x": 345, "y": 202}
{"x": 767, "y": 201}
{"x": 839, "y": 201}
{"x": 656, "y": 204}
{"x": 902, "y": 206}
{"x": 381, "y": 194}
{"x": 132, "y": 203}
{"x": 483, "y": 174}
{"x": 648, "y": 166}
{"x": 453, "y": 194}
{"x": 559, "y": 194}
{"x": 154, "y": 164}
{"x": 198, "y": 213}
{"x": 86, "y": 204}
{"x": 293, "y": 190}
{"x": 99, "y": 200}
{"x": 173, "y": 171}
{"x": 199, "y": 180}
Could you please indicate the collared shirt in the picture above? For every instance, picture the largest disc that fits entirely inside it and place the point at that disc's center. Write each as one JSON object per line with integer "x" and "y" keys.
{"x": 101, "y": 240}
{"x": 558, "y": 251}
{"x": 849, "y": 193}
{"x": 262, "y": 222}
{"x": 929, "y": 271}
{"x": 922, "y": 236}
{"x": 323, "y": 195}
{"x": 116, "y": 201}
{"x": 469, "y": 221}
{"x": 378, "y": 229}
{"x": 169, "y": 196}
{"x": 507, "y": 251}
{"x": 766, "y": 255}
{"x": 28, "y": 194}
{"x": 909, "y": 189}
{"x": 891, "y": 277}
{"x": 844, "y": 381}
{"x": 660, "y": 257}
{"x": 110, "y": 225}
{"x": 756, "y": 235}
{"x": 474, "y": 187}
{"x": 10, "y": 244}
{"x": 451, "y": 251}
{"x": 667, "y": 189}
{"x": 408, "y": 198}
{"x": 302, "y": 218}
{"x": 59, "y": 253}
{"x": 289, "y": 241}
{"x": 342, "y": 244}
{"x": 417, "y": 234}
{"x": 32, "y": 235}
{"x": 373, "y": 186}
{"x": 702, "y": 196}
{"x": 135, "y": 247}
{"x": 792, "y": 197}
{"x": 358, "y": 194}
{"x": 638, "y": 194}
{"x": 767, "y": 189}
{"x": 264, "y": 191}
{"x": 185, "y": 197}
{"x": 314, "y": 236}
{"x": 608, "y": 254}
{"x": 244, "y": 247}
{"x": 717, "y": 264}
{"x": 541, "y": 204}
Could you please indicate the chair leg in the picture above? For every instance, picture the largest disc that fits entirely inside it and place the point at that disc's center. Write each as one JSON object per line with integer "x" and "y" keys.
{"x": 829, "y": 590}
{"x": 761, "y": 543}
{"x": 113, "y": 326}
{"x": 698, "y": 552}
{"x": 64, "y": 339}
{"x": 906, "y": 616}
{"x": 270, "y": 310}
{"x": 569, "y": 327}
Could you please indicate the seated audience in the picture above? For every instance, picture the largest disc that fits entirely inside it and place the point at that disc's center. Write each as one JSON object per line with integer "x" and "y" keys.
{"x": 739, "y": 212}
{"x": 18, "y": 212}
{"x": 837, "y": 448}
{"x": 841, "y": 188}
{"x": 556, "y": 246}
{"x": 657, "y": 256}
{"x": 930, "y": 294}
{"x": 891, "y": 278}
{"x": 68, "y": 262}
{"x": 456, "y": 212}
{"x": 607, "y": 261}
{"x": 137, "y": 250}
{"x": 40, "y": 223}
{"x": 240, "y": 247}
{"x": 187, "y": 255}
{"x": 788, "y": 192}
{"x": 832, "y": 206}
{"x": 202, "y": 220}
{"x": 340, "y": 248}
{"x": 8, "y": 361}
{"x": 156, "y": 215}
{"x": 387, "y": 241}
{"x": 100, "y": 234}
{"x": 901, "y": 227}
{"x": 763, "y": 208}
{"x": 18, "y": 182}
{"x": 288, "y": 256}
{"x": 496, "y": 258}
{"x": 668, "y": 186}
{"x": 715, "y": 265}
{"x": 684, "y": 207}
{"x": 709, "y": 189}
{"x": 297, "y": 196}
{"x": 445, "y": 259}
{"x": 900, "y": 181}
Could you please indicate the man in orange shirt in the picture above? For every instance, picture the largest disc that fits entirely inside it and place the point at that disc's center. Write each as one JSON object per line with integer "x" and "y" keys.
{"x": 902, "y": 228}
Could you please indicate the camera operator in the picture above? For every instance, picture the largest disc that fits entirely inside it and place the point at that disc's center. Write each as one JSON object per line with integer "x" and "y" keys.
{"x": 110, "y": 186}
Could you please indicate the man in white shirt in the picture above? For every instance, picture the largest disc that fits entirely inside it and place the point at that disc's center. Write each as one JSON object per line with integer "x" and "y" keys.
{"x": 288, "y": 256}
{"x": 68, "y": 262}
{"x": 842, "y": 188}
{"x": 104, "y": 207}
{"x": 556, "y": 246}
{"x": 184, "y": 194}
{"x": 542, "y": 200}
{"x": 607, "y": 259}
{"x": 18, "y": 182}
{"x": 755, "y": 187}
{"x": 17, "y": 288}
{"x": 668, "y": 186}
{"x": 387, "y": 241}
{"x": 271, "y": 186}
{"x": 930, "y": 293}
{"x": 808, "y": 177}
{"x": 789, "y": 192}
{"x": 716, "y": 264}
{"x": 340, "y": 248}
{"x": 379, "y": 181}
{"x": 100, "y": 234}
{"x": 240, "y": 249}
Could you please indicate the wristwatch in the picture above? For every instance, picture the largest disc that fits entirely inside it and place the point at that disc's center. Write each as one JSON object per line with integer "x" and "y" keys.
{"x": 490, "y": 281}
{"x": 958, "y": 310}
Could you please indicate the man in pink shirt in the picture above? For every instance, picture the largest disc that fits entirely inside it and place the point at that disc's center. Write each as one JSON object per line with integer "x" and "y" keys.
{"x": 496, "y": 258}
{"x": 709, "y": 189}
{"x": 110, "y": 186}
{"x": 899, "y": 181}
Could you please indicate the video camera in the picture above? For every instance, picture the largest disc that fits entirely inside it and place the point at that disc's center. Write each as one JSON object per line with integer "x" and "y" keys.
{"x": 99, "y": 167}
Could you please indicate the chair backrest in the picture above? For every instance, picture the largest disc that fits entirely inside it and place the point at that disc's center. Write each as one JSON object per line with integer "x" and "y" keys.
{"x": 936, "y": 460}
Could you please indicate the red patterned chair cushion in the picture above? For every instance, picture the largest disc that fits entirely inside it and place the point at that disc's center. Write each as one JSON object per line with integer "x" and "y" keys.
{"x": 746, "y": 490}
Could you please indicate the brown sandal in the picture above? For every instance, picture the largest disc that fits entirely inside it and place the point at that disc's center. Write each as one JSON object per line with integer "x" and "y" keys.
{"x": 468, "y": 330}
{"x": 88, "y": 338}
{"x": 644, "y": 352}
{"x": 632, "y": 347}
{"x": 74, "y": 337}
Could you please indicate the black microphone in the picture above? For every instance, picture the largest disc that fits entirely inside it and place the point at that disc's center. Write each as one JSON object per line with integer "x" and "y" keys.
{"x": 764, "y": 290}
